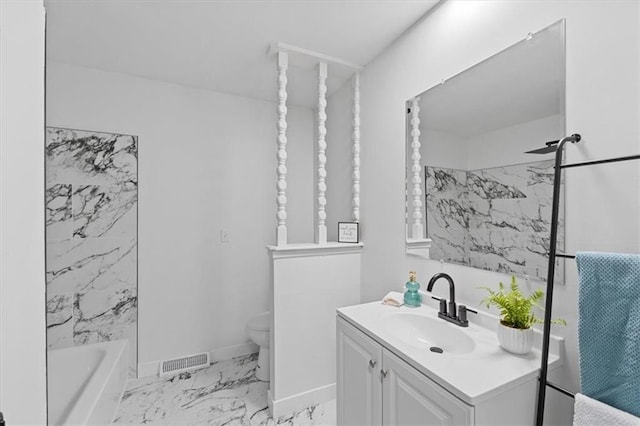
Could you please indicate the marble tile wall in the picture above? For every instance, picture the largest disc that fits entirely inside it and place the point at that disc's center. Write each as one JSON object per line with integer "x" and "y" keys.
{"x": 495, "y": 219}
{"x": 448, "y": 214}
{"x": 91, "y": 238}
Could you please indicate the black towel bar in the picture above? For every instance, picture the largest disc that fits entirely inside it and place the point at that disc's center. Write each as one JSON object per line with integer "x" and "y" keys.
{"x": 565, "y": 256}
{"x": 560, "y": 389}
{"x": 608, "y": 160}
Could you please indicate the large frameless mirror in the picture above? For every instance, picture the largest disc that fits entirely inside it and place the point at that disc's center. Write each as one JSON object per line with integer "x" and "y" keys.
{"x": 472, "y": 189}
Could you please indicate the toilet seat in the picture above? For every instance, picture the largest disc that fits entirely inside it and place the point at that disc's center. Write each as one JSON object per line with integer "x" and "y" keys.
{"x": 259, "y": 333}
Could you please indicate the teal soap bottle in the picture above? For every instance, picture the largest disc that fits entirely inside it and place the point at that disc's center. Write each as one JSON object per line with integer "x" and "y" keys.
{"x": 411, "y": 297}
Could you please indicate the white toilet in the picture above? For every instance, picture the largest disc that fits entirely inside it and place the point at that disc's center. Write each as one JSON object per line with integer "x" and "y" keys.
{"x": 258, "y": 331}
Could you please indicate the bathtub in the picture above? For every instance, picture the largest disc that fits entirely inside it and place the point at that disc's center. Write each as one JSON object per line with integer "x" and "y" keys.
{"x": 85, "y": 383}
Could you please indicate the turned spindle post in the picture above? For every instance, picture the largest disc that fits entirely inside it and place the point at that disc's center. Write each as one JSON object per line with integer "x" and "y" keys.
{"x": 281, "y": 215}
{"x": 356, "y": 149}
{"x": 417, "y": 227}
{"x": 321, "y": 232}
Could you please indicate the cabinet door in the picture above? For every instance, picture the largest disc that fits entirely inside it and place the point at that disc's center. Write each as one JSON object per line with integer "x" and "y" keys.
{"x": 358, "y": 385}
{"x": 410, "y": 398}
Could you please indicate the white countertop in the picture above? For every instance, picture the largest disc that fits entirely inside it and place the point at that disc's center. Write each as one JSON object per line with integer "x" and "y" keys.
{"x": 473, "y": 377}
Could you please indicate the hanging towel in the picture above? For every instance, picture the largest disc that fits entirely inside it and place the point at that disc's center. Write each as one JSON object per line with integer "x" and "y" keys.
{"x": 609, "y": 328}
{"x": 589, "y": 412}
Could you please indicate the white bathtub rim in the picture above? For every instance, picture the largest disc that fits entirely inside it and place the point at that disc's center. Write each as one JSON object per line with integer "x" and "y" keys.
{"x": 95, "y": 388}
{"x": 87, "y": 401}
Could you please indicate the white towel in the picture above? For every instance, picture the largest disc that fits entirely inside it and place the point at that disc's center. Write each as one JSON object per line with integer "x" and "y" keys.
{"x": 393, "y": 298}
{"x": 591, "y": 412}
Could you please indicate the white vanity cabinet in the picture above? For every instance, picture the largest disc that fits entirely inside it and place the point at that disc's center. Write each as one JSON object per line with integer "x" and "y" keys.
{"x": 358, "y": 384}
{"x": 376, "y": 387}
{"x": 410, "y": 398}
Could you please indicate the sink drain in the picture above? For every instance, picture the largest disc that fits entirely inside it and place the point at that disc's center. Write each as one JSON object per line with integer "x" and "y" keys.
{"x": 436, "y": 349}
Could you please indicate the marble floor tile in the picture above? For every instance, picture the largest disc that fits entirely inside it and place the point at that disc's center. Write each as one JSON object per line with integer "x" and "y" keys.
{"x": 225, "y": 393}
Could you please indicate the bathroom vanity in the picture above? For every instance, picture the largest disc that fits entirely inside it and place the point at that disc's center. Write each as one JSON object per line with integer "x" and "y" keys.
{"x": 401, "y": 366}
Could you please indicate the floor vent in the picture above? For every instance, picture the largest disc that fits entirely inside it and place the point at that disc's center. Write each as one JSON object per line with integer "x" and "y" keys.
{"x": 184, "y": 363}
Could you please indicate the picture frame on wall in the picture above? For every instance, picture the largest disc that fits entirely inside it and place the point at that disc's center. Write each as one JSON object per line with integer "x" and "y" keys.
{"x": 348, "y": 232}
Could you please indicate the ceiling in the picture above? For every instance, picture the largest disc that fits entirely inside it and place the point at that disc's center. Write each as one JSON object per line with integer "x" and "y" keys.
{"x": 222, "y": 45}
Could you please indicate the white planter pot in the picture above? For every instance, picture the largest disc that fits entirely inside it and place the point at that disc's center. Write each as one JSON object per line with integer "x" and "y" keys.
{"x": 515, "y": 340}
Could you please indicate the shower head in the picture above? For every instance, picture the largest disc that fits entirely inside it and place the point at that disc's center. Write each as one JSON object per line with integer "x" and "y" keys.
{"x": 550, "y": 147}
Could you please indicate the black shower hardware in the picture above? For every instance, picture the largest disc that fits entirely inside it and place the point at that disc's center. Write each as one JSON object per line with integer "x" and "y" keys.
{"x": 450, "y": 314}
{"x": 543, "y": 382}
{"x": 552, "y": 146}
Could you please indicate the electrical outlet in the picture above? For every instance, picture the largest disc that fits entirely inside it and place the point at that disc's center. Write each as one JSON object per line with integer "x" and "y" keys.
{"x": 225, "y": 236}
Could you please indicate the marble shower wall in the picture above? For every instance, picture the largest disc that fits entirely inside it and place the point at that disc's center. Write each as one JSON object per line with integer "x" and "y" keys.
{"x": 91, "y": 238}
{"x": 496, "y": 219}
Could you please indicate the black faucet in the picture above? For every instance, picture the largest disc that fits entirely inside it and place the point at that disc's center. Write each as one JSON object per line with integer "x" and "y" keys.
{"x": 456, "y": 316}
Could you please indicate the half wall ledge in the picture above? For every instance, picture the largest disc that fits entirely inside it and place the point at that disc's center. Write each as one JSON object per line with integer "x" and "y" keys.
{"x": 312, "y": 249}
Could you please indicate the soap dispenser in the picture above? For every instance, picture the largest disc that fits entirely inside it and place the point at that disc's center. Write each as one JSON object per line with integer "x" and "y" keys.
{"x": 411, "y": 296}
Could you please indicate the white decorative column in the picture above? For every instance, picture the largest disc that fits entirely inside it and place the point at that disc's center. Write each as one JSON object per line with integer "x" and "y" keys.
{"x": 281, "y": 232}
{"x": 417, "y": 227}
{"x": 321, "y": 232}
{"x": 356, "y": 148}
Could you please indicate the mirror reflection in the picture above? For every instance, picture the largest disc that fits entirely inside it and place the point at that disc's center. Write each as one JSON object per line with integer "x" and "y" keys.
{"x": 488, "y": 203}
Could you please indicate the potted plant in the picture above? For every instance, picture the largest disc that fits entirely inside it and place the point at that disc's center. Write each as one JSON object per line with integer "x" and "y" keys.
{"x": 515, "y": 331}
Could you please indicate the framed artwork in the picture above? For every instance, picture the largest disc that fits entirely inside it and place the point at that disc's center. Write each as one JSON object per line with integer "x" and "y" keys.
{"x": 348, "y": 232}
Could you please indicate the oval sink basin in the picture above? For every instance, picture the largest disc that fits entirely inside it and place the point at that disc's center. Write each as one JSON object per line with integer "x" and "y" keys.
{"x": 426, "y": 332}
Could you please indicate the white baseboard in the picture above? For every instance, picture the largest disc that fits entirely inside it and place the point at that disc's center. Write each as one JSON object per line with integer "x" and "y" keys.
{"x": 151, "y": 368}
{"x": 229, "y": 352}
{"x": 270, "y": 401}
{"x": 147, "y": 369}
{"x": 292, "y": 404}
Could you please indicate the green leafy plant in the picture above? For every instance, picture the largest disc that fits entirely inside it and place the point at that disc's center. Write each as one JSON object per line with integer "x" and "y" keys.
{"x": 516, "y": 309}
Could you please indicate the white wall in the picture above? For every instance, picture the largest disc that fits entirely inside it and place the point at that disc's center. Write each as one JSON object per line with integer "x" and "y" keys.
{"x": 507, "y": 146}
{"x": 340, "y": 159}
{"x": 206, "y": 162}
{"x": 602, "y": 204}
{"x": 442, "y": 149}
{"x": 22, "y": 279}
